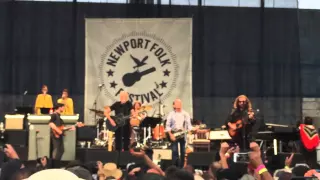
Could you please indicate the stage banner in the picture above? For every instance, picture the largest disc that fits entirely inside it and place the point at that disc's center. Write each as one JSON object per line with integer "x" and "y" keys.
{"x": 151, "y": 59}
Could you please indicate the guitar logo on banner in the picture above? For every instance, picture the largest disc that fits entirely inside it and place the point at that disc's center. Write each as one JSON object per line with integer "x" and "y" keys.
{"x": 141, "y": 64}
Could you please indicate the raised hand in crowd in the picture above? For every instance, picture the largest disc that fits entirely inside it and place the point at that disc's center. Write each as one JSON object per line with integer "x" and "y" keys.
{"x": 257, "y": 163}
{"x": 225, "y": 152}
{"x": 148, "y": 161}
{"x": 288, "y": 161}
{"x": 11, "y": 152}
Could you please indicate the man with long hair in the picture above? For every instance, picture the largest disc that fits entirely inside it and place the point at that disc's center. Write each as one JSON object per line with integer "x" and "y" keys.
{"x": 240, "y": 122}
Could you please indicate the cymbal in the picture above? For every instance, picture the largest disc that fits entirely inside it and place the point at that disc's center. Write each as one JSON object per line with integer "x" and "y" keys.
{"x": 146, "y": 108}
{"x": 96, "y": 111}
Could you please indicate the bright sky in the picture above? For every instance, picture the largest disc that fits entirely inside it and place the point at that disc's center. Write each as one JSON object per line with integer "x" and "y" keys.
{"x": 303, "y": 4}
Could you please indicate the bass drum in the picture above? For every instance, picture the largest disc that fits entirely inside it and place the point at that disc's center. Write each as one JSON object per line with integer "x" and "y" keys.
{"x": 158, "y": 133}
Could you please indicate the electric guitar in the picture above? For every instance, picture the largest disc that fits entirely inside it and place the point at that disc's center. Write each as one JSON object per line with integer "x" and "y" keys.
{"x": 64, "y": 129}
{"x": 120, "y": 121}
{"x": 179, "y": 134}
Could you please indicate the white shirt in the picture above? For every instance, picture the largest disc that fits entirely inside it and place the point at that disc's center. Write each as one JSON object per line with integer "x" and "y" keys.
{"x": 178, "y": 121}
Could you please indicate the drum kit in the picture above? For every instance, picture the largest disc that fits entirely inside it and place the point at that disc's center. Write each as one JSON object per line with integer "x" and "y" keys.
{"x": 147, "y": 131}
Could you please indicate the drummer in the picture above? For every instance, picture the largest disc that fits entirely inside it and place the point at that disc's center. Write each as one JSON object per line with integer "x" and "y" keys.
{"x": 136, "y": 118}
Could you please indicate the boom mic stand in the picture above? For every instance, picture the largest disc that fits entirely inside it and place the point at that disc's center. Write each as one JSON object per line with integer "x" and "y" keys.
{"x": 159, "y": 129}
{"x": 95, "y": 104}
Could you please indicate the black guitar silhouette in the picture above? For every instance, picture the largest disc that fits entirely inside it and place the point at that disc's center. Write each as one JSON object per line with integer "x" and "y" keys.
{"x": 130, "y": 78}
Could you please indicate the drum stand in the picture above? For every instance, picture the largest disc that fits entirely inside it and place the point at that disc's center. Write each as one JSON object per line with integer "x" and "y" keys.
{"x": 146, "y": 138}
{"x": 160, "y": 140}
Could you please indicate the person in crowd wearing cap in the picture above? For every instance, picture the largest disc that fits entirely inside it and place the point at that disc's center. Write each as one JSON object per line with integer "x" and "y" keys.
{"x": 56, "y": 124}
{"x": 68, "y": 103}
{"x": 44, "y": 100}
{"x": 122, "y": 134}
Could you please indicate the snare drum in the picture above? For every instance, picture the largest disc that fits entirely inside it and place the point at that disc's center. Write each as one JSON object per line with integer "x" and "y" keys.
{"x": 158, "y": 132}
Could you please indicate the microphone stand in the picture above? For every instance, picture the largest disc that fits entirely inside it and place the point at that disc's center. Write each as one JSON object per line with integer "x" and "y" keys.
{"x": 22, "y": 101}
{"x": 160, "y": 116}
{"x": 95, "y": 103}
{"x": 245, "y": 122}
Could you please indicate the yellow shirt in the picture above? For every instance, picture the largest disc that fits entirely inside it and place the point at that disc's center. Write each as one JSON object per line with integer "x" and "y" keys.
{"x": 43, "y": 101}
{"x": 68, "y": 106}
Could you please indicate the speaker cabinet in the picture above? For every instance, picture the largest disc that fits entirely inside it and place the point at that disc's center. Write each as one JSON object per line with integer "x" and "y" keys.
{"x": 201, "y": 158}
{"x": 126, "y": 158}
{"x": 87, "y": 155}
{"x": 16, "y": 137}
{"x": 86, "y": 133}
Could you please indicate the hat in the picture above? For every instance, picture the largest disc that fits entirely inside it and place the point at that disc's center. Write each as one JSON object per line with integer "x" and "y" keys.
{"x": 152, "y": 176}
{"x": 281, "y": 173}
{"x": 81, "y": 172}
{"x": 54, "y": 174}
{"x": 111, "y": 170}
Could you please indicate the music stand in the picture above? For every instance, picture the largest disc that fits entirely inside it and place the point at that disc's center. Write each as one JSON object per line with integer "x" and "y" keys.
{"x": 45, "y": 110}
{"x": 24, "y": 110}
{"x": 150, "y": 122}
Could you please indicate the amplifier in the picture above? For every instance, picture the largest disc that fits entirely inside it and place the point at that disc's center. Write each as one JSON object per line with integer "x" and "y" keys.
{"x": 16, "y": 137}
{"x": 14, "y": 122}
{"x": 163, "y": 154}
{"x": 86, "y": 133}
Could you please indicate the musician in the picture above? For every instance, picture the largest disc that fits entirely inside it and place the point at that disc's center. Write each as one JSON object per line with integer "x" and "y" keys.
{"x": 136, "y": 118}
{"x": 54, "y": 123}
{"x": 241, "y": 120}
{"x": 68, "y": 103}
{"x": 309, "y": 140}
{"x": 178, "y": 119}
{"x": 122, "y": 134}
{"x": 43, "y": 100}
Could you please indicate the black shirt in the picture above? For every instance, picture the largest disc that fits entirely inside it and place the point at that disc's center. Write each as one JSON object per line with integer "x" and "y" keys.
{"x": 55, "y": 119}
{"x": 237, "y": 114}
{"x": 121, "y": 108}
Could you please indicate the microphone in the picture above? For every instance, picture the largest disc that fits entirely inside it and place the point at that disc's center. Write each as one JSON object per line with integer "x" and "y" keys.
{"x": 25, "y": 92}
{"x": 100, "y": 85}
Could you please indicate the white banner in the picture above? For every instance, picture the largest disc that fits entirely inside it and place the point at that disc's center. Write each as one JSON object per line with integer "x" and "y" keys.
{"x": 151, "y": 59}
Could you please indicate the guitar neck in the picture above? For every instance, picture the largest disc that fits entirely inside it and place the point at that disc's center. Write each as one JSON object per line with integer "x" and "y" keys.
{"x": 147, "y": 71}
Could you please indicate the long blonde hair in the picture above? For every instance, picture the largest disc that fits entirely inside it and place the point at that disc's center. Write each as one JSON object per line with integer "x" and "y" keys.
{"x": 235, "y": 103}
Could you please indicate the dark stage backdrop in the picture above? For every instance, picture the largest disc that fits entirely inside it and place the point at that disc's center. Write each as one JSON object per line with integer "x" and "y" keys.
{"x": 235, "y": 51}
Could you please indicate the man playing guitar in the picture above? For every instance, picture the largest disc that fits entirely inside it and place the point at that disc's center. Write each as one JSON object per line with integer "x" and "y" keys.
{"x": 122, "y": 134}
{"x": 57, "y": 133}
{"x": 240, "y": 122}
{"x": 178, "y": 120}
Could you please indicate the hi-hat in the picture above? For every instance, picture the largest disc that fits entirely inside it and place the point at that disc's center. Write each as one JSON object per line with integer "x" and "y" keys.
{"x": 98, "y": 112}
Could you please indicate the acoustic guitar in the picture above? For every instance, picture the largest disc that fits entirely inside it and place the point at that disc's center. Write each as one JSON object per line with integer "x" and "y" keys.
{"x": 120, "y": 120}
{"x": 238, "y": 125}
{"x": 64, "y": 129}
